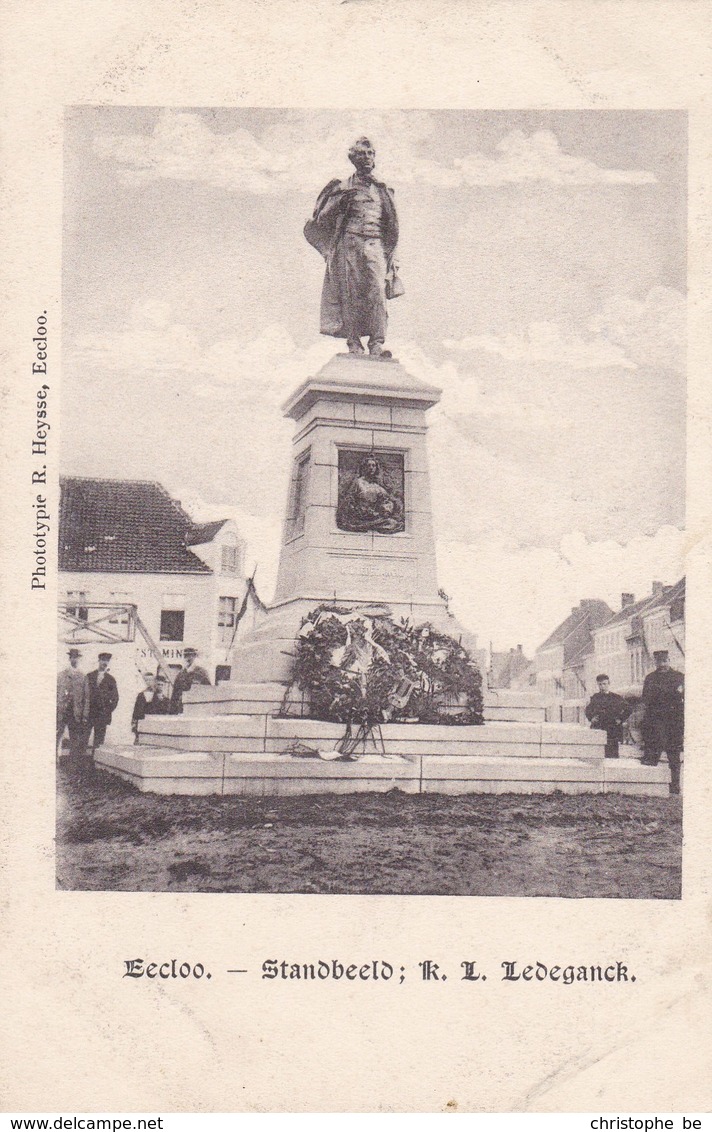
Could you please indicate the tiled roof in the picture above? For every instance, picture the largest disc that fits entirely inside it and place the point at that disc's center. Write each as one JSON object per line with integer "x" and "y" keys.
{"x": 120, "y": 526}
{"x": 578, "y": 658}
{"x": 204, "y": 532}
{"x": 507, "y": 666}
{"x": 647, "y": 604}
{"x": 629, "y": 611}
{"x": 591, "y": 610}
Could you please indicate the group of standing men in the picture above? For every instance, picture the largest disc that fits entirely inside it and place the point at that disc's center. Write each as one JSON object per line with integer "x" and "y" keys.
{"x": 156, "y": 698}
{"x": 663, "y": 719}
{"x": 86, "y": 702}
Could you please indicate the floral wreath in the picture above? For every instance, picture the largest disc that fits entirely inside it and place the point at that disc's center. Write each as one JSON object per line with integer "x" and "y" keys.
{"x": 361, "y": 666}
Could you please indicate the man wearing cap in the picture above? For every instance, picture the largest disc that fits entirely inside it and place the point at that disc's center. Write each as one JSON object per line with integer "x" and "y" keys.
{"x": 664, "y": 721}
{"x": 72, "y": 705}
{"x": 103, "y": 698}
{"x": 607, "y": 712}
{"x": 191, "y": 674}
{"x": 152, "y": 701}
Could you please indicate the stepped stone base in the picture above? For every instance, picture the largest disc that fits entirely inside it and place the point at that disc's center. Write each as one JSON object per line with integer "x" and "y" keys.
{"x": 249, "y": 754}
{"x": 267, "y": 698}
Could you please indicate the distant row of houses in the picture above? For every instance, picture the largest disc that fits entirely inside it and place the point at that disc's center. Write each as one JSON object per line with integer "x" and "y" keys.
{"x": 596, "y": 639}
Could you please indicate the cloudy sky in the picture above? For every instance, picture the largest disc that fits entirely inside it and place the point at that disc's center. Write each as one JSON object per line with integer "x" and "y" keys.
{"x": 543, "y": 255}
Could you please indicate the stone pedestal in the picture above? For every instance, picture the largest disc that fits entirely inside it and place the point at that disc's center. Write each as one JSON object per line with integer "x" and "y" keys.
{"x": 232, "y": 740}
{"x": 354, "y": 406}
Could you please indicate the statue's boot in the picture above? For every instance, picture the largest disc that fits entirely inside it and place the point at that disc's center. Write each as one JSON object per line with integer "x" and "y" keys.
{"x": 376, "y": 350}
{"x": 355, "y": 346}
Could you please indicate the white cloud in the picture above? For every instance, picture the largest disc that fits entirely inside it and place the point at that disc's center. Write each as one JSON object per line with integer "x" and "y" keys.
{"x": 264, "y": 369}
{"x": 303, "y": 153}
{"x": 505, "y": 593}
{"x": 298, "y": 155}
{"x": 222, "y": 401}
{"x": 546, "y": 342}
{"x": 652, "y": 332}
{"x": 627, "y": 334}
{"x": 182, "y": 147}
{"x": 512, "y": 595}
{"x": 507, "y": 437}
{"x": 539, "y": 157}
{"x": 149, "y": 341}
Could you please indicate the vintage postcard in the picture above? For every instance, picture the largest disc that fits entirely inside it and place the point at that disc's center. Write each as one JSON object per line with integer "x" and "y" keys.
{"x": 357, "y": 558}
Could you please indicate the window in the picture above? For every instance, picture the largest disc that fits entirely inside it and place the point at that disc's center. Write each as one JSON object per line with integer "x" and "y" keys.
{"x": 226, "y": 612}
{"x": 120, "y": 616}
{"x": 79, "y": 610}
{"x": 172, "y": 617}
{"x": 231, "y": 559}
{"x": 172, "y": 624}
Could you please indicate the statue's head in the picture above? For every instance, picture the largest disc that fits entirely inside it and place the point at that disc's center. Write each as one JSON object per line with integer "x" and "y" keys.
{"x": 369, "y": 469}
{"x": 362, "y": 155}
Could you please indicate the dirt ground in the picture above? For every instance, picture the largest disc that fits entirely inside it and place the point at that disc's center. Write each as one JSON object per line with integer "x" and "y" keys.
{"x": 111, "y": 837}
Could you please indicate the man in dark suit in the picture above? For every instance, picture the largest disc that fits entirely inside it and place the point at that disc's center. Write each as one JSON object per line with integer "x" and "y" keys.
{"x": 152, "y": 701}
{"x": 664, "y": 720}
{"x": 608, "y": 712}
{"x": 191, "y": 674}
{"x": 103, "y": 698}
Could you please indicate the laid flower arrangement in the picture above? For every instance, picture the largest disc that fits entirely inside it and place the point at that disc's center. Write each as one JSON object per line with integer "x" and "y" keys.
{"x": 360, "y": 666}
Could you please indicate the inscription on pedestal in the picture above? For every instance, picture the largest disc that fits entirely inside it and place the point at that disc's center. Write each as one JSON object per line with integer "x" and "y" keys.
{"x": 375, "y": 569}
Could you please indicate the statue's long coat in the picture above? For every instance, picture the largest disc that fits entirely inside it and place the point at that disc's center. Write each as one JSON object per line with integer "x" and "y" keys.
{"x": 324, "y": 232}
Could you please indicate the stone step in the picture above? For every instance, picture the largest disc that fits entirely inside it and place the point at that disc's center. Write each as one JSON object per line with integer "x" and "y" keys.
{"x": 248, "y": 724}
{"x": 234, "y": 699}
{"x": 231, "y": 690}
{"x": 171, "y": 771}
{"x": 254, "y": 733}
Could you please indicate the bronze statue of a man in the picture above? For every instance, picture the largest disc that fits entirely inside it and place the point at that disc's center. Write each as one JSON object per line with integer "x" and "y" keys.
{"x": 355, "y": 227}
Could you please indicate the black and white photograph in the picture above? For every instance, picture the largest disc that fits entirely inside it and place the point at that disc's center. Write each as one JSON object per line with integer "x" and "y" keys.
{"x": 372, "y": 500}
{"x": 356, "y": 580}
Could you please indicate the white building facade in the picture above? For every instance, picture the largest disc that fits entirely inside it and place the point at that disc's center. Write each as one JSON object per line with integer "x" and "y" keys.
{"x": 624, "y": 646}
{"x": 131, "y": 559}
